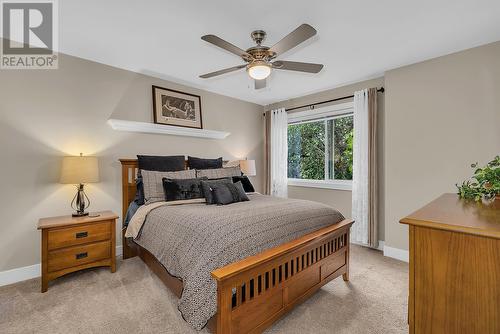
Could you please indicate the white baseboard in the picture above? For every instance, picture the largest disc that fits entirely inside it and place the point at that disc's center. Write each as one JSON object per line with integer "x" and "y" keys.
{"x": 24, "y": 273}
{"x": 380, "y": 245}
{"x": 396, "y": 253}
{"x": 19, "y": 274}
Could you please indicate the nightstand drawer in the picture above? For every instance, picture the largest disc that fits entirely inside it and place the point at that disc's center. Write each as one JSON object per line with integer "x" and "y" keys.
{"x": 77, "y": 255}
{"x": 78, "y": 235}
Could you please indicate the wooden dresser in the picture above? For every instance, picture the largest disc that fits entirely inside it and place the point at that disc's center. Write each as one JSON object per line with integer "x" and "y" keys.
{"x": 455, "y": 267}
{"x": 70, "y": 244}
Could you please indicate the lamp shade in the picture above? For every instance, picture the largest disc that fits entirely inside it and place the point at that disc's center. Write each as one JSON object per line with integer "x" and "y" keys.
{"x": 248, "y": 167}
{"x": 76, "y": 170}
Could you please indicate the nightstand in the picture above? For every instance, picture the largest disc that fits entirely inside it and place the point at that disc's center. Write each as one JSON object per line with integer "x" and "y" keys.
{"x": 70, "y": 244}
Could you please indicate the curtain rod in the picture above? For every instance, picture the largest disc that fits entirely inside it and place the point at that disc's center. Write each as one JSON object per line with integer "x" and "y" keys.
{"x": 312, "y": 105}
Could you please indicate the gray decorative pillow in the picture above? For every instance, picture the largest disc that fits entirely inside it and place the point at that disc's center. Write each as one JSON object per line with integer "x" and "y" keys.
{"x": 242, "y": 195}
{"x": 207, "y": 185}
{"x": 229, "y": 193}
{"x": 222, "y": 195}
{"x": 153, "y": 183}
{"x": 219, "y": 173}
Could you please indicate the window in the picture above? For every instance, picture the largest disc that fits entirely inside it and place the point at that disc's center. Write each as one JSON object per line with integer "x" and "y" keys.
{"x": 320, "y": 147}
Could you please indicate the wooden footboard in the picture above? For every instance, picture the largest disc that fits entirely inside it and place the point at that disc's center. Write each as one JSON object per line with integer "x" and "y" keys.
{"x": 255, "y": 292}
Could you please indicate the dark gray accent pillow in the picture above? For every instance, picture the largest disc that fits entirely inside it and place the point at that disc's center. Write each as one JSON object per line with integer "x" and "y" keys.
{"x": 247, "y": 185}
{"x": 227, "y": 193}
{"x": 207, "y": 188}
{"x": 242, "y": 196}
{"x": 222, "y": 195}
{"x": 200, "y": 163}
{"x": 156, "y": 163}
{"x": 181, "y": 189}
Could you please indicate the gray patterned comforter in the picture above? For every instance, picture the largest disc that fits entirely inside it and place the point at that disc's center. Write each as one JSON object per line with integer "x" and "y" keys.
{"x": 194, "y": 239}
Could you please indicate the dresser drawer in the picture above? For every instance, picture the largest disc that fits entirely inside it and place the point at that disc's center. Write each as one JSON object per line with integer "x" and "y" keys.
{"x": 77, "y": 235}
{"x": 77, "y": 255}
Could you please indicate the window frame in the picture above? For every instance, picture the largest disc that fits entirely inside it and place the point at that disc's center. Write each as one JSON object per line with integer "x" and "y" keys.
{"x": 321, "y": 114}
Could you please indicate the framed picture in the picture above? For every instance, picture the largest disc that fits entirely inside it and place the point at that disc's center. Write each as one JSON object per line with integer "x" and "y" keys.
{"x": 171, "y": 107}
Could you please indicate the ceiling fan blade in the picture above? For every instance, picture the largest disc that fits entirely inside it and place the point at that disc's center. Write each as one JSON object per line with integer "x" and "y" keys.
{"x": 219, "y": 72}
{"x": 299, "y": 35}
{"x": 259, "y": 84}
{"x": 217, "y": 41}
{"x": 297, "y": 66}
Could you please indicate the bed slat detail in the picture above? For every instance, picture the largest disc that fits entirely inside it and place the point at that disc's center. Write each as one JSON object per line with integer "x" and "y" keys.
{"x": 239, "y": 296}
{"x": 247, "y": 291}
{"x": 258, "y": 284}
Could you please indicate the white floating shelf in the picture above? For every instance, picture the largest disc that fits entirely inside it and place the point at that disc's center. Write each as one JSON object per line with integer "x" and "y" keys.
{"x": 143, "y": 127}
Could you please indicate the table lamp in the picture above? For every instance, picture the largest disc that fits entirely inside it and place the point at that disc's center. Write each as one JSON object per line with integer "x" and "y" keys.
{"x": 78, "y": 171}
{"x": 248, "y": 167}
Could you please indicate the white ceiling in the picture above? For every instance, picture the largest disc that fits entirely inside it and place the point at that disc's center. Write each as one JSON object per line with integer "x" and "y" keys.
{"x": 356, "y": 39}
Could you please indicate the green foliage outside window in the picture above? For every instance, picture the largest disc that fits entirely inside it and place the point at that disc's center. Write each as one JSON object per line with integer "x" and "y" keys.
{"x": 311, "y": 143}
{"x": 306, "y": 151}
{"x": 343, "y": 137}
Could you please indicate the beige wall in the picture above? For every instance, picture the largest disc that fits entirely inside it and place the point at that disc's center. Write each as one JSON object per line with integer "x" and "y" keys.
{"x": 440, "y": 116}
{"x": 51, "y": 113}
{"x": 340, "y": 199}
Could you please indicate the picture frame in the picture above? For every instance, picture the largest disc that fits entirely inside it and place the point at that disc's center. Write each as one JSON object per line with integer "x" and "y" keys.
{"x": 172, "y": 107}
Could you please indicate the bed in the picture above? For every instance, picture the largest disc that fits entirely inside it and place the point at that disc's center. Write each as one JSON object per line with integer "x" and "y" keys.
{"x": 251, "y": 292}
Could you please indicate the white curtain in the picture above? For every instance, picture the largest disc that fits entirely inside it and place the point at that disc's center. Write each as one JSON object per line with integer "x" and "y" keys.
{"x": 363, "y": 177}
{"x": 279, "y": 153}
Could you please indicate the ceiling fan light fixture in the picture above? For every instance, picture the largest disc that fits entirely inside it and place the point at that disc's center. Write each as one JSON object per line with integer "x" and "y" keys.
{"x": 259, "y": 70}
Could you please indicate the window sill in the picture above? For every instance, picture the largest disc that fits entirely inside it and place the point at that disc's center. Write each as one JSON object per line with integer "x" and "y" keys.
{"x": 336, "y": 184}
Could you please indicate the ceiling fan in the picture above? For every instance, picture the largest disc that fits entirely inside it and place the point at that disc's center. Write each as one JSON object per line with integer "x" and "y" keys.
{"x": 258, "y": 58}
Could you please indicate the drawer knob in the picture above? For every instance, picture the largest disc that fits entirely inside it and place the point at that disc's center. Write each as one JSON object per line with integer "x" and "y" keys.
{"x": 82, "y": 235}
{"x": 81, "y": 255}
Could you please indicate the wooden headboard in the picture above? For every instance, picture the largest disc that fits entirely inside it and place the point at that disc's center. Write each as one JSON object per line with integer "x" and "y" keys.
{"x": 129, "y": 174}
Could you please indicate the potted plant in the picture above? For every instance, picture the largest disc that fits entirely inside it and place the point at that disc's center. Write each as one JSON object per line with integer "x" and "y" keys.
{"x": 485, "y": 183}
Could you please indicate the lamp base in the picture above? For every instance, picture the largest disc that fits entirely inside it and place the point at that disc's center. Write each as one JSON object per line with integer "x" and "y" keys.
{"x": 79, "y": 204}
{"x": 80, "y": 214}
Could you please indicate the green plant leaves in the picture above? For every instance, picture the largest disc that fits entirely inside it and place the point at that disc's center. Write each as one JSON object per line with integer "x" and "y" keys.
{"x": 485, "y": 183}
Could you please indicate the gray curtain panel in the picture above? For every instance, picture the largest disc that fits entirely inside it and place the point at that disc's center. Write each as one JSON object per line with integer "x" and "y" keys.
{"x": 372, "y": 169}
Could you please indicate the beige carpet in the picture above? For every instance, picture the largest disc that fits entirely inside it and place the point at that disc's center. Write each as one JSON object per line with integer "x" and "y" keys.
{"x": 133, "y": 300}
